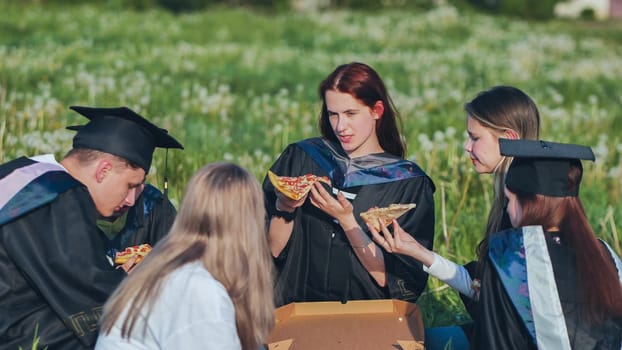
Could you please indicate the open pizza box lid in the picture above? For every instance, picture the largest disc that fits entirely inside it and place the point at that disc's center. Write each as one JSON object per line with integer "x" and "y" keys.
{"x": 358, "y": 324}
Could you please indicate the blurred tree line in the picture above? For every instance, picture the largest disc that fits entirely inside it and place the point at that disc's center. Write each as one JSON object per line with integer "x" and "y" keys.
{"x": 528, "y": 9}
{"x": 532, "y": 9}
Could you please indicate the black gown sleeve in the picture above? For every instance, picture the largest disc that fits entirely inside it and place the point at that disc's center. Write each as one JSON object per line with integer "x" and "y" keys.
{"x": 406, "y": 279}
{"x": 470, "y": 304}
{"x": 498, "y": 325}
{"x": 292, "y": 162}
{"x": 159, "y": 219}
{"x": 59, "y": 274}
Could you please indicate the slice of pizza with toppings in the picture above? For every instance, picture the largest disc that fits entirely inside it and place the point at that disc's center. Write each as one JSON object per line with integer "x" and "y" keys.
{"x": 138, "y": 250}
{"x": 386, "y": 214}
{"x": 295, "y": 187}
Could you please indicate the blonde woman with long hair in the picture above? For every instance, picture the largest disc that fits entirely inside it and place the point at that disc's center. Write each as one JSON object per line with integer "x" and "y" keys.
{"x": 208, "y": 284}
{"x": 499, "y": 112}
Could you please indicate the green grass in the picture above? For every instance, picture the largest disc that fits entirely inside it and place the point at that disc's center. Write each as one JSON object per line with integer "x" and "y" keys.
{"x": 35, "y": 341}
{"x": 239, "y": 85}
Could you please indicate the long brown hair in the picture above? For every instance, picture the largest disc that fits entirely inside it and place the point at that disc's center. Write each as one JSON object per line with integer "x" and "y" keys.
{"x": 220, "y": 223}
{"x": 597, "y": 276}
{"x": 364, "y": 84}
{"x": 501, "y": 108}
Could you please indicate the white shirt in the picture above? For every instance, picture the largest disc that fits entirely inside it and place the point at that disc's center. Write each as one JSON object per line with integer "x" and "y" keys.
{"x": 193, "y": 311}
{"x": 453, "y": 274}
{"x": 46, "y": 158}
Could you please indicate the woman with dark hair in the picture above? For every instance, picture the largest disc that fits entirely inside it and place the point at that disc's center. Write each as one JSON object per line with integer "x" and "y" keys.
{"x": 322, "y": 249}
{"x": 549, "y": 283}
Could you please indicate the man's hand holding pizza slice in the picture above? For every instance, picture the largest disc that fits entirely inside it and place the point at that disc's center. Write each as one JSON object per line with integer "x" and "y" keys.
{"x": 131, "y": 256}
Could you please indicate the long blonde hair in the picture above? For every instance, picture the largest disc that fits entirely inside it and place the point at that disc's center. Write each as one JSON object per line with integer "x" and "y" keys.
{"x": 499, "y": 109}
{"x": 221, "y": 223}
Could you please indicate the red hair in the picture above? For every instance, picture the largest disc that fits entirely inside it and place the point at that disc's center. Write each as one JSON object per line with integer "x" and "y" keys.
{"x": 363, "y": 83}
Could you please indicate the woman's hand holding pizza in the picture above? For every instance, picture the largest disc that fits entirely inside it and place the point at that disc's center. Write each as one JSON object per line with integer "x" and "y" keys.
{"x": 339, "y": 208}
{"x": 292, "y": 191}
{"x": 284, "y": 203}
{"x": 400, "y": 242}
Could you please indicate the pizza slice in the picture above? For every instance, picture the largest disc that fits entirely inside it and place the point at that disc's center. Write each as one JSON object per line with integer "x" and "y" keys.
{"x": 138, "y": 250}
{"x": 295, "y": 187}
{"x": 386, "y": 214}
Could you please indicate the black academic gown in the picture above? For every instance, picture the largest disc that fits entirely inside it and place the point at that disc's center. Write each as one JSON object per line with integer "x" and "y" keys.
{"x": 54, "y": 272}
{"x": 499, "y": 326}
{"x": 318, "y": 263}
{"x": 471, "y": 305}
{"x": 148, "y": 221}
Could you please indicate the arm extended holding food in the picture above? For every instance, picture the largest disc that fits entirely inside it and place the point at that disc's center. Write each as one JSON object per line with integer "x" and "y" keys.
{"x": 280, "y": 228}
{"x": 401, "y": 242}
{"x": 289, "y": 194}
{"x": 368, "y": 253}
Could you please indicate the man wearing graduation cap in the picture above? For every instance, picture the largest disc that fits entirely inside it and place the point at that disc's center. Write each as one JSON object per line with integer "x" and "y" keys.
{"x": 149, "y": 217}
{"x": 55, "y": 274}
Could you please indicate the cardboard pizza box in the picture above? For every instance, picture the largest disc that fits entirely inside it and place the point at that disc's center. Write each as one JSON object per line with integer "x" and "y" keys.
{"x": 358, "y": 324}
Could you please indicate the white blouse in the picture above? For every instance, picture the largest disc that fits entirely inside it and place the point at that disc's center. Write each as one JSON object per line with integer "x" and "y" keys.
{"x": 453, "y": 274}
{"x": 193, "y": 311}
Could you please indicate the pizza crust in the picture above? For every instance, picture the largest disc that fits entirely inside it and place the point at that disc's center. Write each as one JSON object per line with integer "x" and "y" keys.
{"x": 386, "y": 214}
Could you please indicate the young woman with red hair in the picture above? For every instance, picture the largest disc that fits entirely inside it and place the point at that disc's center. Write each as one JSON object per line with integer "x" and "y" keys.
{"x": 322, "y": 248}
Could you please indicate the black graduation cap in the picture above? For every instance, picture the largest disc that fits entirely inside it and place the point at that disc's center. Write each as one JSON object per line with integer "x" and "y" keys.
{"x": 541, "y": 167}
{"x": 122, "y": 132}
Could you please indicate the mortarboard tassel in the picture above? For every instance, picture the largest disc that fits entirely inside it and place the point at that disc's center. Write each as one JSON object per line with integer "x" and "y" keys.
{"x": 166, "y": 175}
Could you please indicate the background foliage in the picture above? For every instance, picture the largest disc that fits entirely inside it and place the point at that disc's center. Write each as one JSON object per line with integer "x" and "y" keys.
{"x": 532, "y": 9}
{"x": 239, "y": 84}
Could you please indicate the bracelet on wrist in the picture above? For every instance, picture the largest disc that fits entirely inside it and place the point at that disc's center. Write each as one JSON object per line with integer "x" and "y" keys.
{"x": 276, "y": 206}
{"x": 288, "y": 216}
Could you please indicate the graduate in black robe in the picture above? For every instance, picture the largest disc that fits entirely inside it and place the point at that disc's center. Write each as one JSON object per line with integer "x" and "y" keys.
{"x": 500, "y": 324}
{"x": 55, "y": 273}
{"x": 147, "y": 221}
{"x": 361, "y": 152}
{"x": 549, "y": 283}
{"x": 537, "y": 286}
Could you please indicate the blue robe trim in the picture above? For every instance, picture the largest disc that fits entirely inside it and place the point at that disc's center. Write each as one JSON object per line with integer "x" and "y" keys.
{"x": 507, "y": 253}
{"x": 150, "y": 196}
{"x": 42, "y": 190}
{"x": 522, "y": 261}
{"x": 399, "y": 170}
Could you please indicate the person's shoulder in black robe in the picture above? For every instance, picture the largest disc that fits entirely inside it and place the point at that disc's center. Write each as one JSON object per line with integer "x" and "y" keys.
{"x": 148, "y": 221}
{"x": 55, "y": 274}
{"x": 498, "y": 325}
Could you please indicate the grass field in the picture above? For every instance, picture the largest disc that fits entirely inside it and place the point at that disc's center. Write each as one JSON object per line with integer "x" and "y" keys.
{"x": 240, "y": 85}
